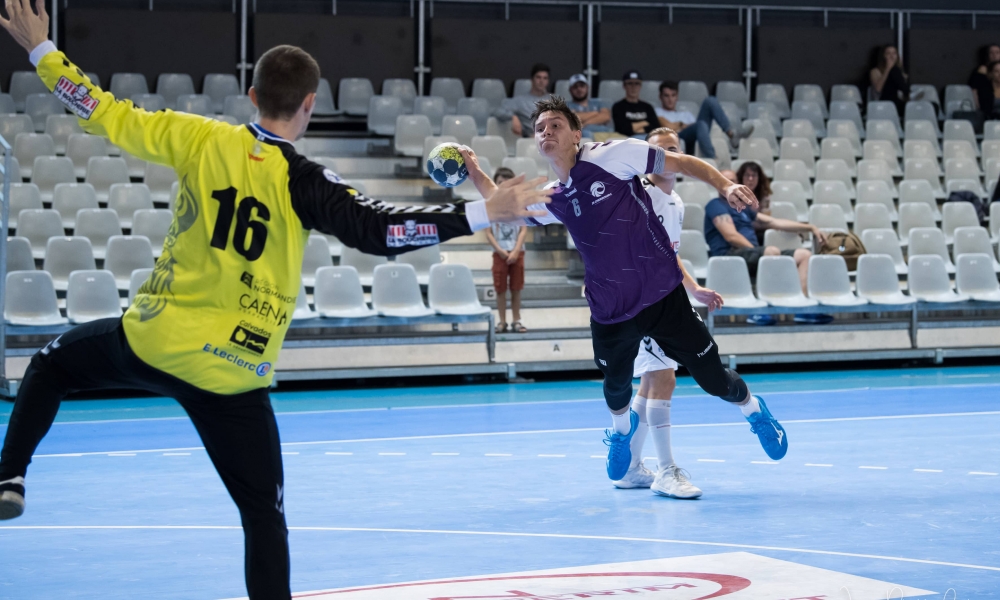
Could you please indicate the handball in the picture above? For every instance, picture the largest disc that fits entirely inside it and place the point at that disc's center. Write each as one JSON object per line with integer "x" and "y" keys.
{"x": 446, "y": 166}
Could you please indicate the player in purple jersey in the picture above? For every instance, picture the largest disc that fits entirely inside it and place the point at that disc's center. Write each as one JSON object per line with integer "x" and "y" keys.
{"x": 632, "y": 273}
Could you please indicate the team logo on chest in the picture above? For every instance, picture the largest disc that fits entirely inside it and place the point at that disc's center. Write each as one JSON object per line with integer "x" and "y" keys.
{"x": 597, "y": 190}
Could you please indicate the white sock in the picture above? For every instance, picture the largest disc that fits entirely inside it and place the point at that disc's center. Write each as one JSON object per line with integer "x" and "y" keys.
{"x": 639, "y": 406}
{"x": 622, "y": 423}
{"x": 658, "y": 417}
{"x": 750, "y": 407}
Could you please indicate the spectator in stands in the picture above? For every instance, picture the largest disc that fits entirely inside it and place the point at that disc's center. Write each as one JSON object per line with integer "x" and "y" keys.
{"x": 508, "y": 264}
{"x": 980, "y": 81}
{"x": 632, "y": 116}
{"x": 693, "y": 129}
{"x": 992, "y": 111}
{"x": 887, "y": 78}
{"x": 518, "y": 109}
{"x": 752, "y": 175}
{"x": 595, "y": 116}
{"x": 731, "y": 233}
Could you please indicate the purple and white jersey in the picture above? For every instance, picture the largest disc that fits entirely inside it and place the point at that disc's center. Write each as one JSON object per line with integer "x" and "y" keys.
{"x": 628, "y": 256}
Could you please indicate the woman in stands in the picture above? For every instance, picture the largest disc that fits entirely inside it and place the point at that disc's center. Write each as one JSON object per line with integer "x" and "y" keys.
{"x": 888, "y": 80}
{"x": 752, "y": 175}
{"x": 981, "y": 83}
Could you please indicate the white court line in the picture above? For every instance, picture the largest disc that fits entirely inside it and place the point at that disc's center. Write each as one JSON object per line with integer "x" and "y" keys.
{"x": 980, "y": 473}
{"x": 562, "y": 536}
{"x": 710, "y": 460}
{"x": 444, "y": 453}
{"x": 818, "y": 465}
{"x": 547, "y": 431}
{"x": 928, "y": 471}
{"x": 875, "y": 468}
{"x": 596, "y": 399}
{"x": 181, "y": 453}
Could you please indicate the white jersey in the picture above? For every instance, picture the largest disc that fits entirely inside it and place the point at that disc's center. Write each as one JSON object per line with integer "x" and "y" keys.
{"x": 669, "y": 209}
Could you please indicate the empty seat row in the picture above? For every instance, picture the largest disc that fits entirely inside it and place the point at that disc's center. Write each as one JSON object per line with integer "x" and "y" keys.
{"x": 101, "y": 173}
{"x": 98, "y": 225}
{"x": 124, "y": 199}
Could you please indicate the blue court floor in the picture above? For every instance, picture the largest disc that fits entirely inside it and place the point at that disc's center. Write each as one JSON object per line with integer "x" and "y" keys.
{"x": 891, "y": 475}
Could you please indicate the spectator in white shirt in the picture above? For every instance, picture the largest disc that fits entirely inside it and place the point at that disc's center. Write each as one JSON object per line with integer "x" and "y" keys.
{"x": 698, "y": 128}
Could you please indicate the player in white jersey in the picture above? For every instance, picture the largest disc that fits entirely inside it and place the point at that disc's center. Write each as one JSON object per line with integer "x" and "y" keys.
{"x": 656, "y": 370}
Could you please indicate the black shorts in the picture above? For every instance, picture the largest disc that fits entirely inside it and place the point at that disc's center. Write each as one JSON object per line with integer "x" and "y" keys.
{"x": 752, "y": 256}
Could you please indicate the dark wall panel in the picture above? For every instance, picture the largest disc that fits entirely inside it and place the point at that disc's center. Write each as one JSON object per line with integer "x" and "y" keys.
{"x": 139, "y": 41}
{"x": 825, "y": 56}
{"x": 707, "y": 53}
{"x": 12, "y": 58}
{"x": 344, "y": 46}
{"x": 941, "y": 57}
{"x": 471, "y": 48}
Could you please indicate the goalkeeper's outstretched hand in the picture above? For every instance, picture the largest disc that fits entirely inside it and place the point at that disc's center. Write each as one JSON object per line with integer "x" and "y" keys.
{"x": 27, "y": 28}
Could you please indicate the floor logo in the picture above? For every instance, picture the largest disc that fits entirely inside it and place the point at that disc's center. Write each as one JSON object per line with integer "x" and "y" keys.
{"x": 731, "y": 575}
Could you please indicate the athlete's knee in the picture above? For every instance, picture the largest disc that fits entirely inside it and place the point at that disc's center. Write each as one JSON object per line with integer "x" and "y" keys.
{"x": 662, "y": 384}
{"x": 738, "y": 390}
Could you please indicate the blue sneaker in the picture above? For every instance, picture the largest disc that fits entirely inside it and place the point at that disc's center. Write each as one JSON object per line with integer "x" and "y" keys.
{"x": 619, "y": 453}
{"x": 761, "y": 320}
{"x": 769, "y": 431}
{"x": 814, "y": 319}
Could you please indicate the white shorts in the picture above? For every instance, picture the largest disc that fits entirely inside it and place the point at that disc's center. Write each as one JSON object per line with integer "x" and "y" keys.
{"x": 651, "y": 358}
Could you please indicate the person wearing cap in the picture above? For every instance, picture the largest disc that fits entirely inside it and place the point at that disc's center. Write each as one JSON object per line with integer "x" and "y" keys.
{"x": 698, "y": 129}
{"x": 594, "y": 114}
{"x": 632, "y": 116}
{"x": 518, "y": 109}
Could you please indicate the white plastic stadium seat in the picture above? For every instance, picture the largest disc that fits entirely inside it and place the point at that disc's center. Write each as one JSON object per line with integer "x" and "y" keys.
{"x": 126, "y": 85}
{"x": 449, "y": 88}
{"x": 48, "y": 171}
{"x": 30, "y": 299}
{"x": 37, "y": 225}
{"x": 411, "y": 130}
{"x": 871, "y": 216}
{"x": 847, "y": 130}
{"x": 22, "y": 196}
{"x": 728, "y": 275}
{"x": 926, "y": 169}
{"x": 149, "y": 102}
{"x": 28, "y": 146}
{"x": 778, "y": 282}
{"x": 338, "y": 294}
{"x": 434, "y": 107}
{"x": 462, "y": 127}
{"x": 353, "y": 94}
{"x": 877, "y": 192}
{"x": 218, "y": 86}
{"x": 775, "y": 94}
{"x": 840, "y": 149}
{"x": 172, "y": 85}
{"x": 451, "y": 291}
{"x": 97, "y": 225}
{"x": 302, "y": 310}
{"x": 801, "y": 128}
{"x": 11, "y": 125}
{"x": 695, "y": 192}
{"x": 24, "y": 83}
{"x": 125, "y": 254}
{"x": 974, "y": 240}
{"x": 918, "y": 191}
{"x": 404, "y": 89}
{"x": 759, "y": 151}
{"x": 694, "y": 217}
{"x": 883, "y": 150}
{"x": 382, "y": 113}
{"x": 765, "y": 111}
{"x": 930, "y": 240}
{"x": 846, "y": 93}
{"x": 921, "y": 110}
{"x": 782, "y": 240}
{"x": 40, "y": 107}
{"x": 422, "y": 260}
{"x": 810, "y": 92}
{"x": 812, "y": 112}
{"x": 735, "y": 92}
{"x": 964, "y": 149}
{"x": 975, "y": 277}
{"x": 688, "y": 91}
{"x": 316, "y": 256}
{"x": 794, "y": 170}
{"x": 885, "y": 241}
{"x": 835, "y": 169}
{"x": 695, "y": 249}
{"x": 913, "y": 215}
{"x": 60, "y": 127}
{"x": 922, "y": 131}
{"x": 159, "y": 179}
{"x": 877, "y": 281}
{"x": 324, "y": 100}
{"x": 995, "y": 221}
{"x": 136, "y": 281}
{"x": 195, "y": 104}
{"x": 834, "y": 192}
{"x": 63, "y": 255}
{"x": 478, "y": 109}
{"x": 19, "y": 256}
{"x": 790, "y": 192}
{"x": 492, "y": 90}
{"x": 877, "y": 129}
{"x": 961, "y": 130}
{"x": 7, "y": 104}
{"x": 522, "y": 166}
{"x": 847, "y": 111}
{"x": 955, "y": 215}
{"x": 885, "y": 111}
{"x": 81, "y": 147}
{"x": 103, "y": 171}
{"x": 126, "y": 198}
{"x": 363, "y": 263}
{"x": 240, "y": 108}
{"x": 828, "y": 217}
{"x": 92, "y": 295}
{"x": 154, "y": 224}
{"x": 928, "y": 280}
{"x": 829, "y": 282}
{"x": 785, "y": 210}
{"x": 71, "y": 197}
{"x": 396, "y": 293}
{"x": 491, "y": 147}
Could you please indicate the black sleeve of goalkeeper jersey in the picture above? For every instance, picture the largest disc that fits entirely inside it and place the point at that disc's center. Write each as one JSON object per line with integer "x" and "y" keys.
{"x": 325, "y": 204}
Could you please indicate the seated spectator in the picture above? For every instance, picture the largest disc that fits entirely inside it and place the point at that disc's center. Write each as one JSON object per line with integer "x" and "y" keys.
{"x": 594, "y": 115}
{"x": 508, "y": 264}
{"x": 752, "y": 175}
{"x": 518, "y": 109}
{"x": 888, "y": 80}
{"x": 994, "y": 75}
{"x": 731, "y": 233}
{"x": 980, "y": 82}
{"x": 632, "y": 116}
{"x": 697, "y": 129}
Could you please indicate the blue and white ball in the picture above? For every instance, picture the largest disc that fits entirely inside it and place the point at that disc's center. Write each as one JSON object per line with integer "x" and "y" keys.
{"x": 446, "y": 166}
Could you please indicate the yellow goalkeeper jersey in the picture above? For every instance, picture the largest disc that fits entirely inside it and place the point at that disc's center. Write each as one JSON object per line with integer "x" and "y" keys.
{"x": 220, "y": 300}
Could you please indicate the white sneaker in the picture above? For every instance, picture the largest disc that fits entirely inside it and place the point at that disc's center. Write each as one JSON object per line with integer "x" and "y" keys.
{"x": 673, "y": 482}
{"x": 636, "y": 477}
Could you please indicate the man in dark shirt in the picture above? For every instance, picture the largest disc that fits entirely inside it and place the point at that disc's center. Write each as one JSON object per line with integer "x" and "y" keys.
{"x": 632, "y": 116}
{"x": 731, "y": 233}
